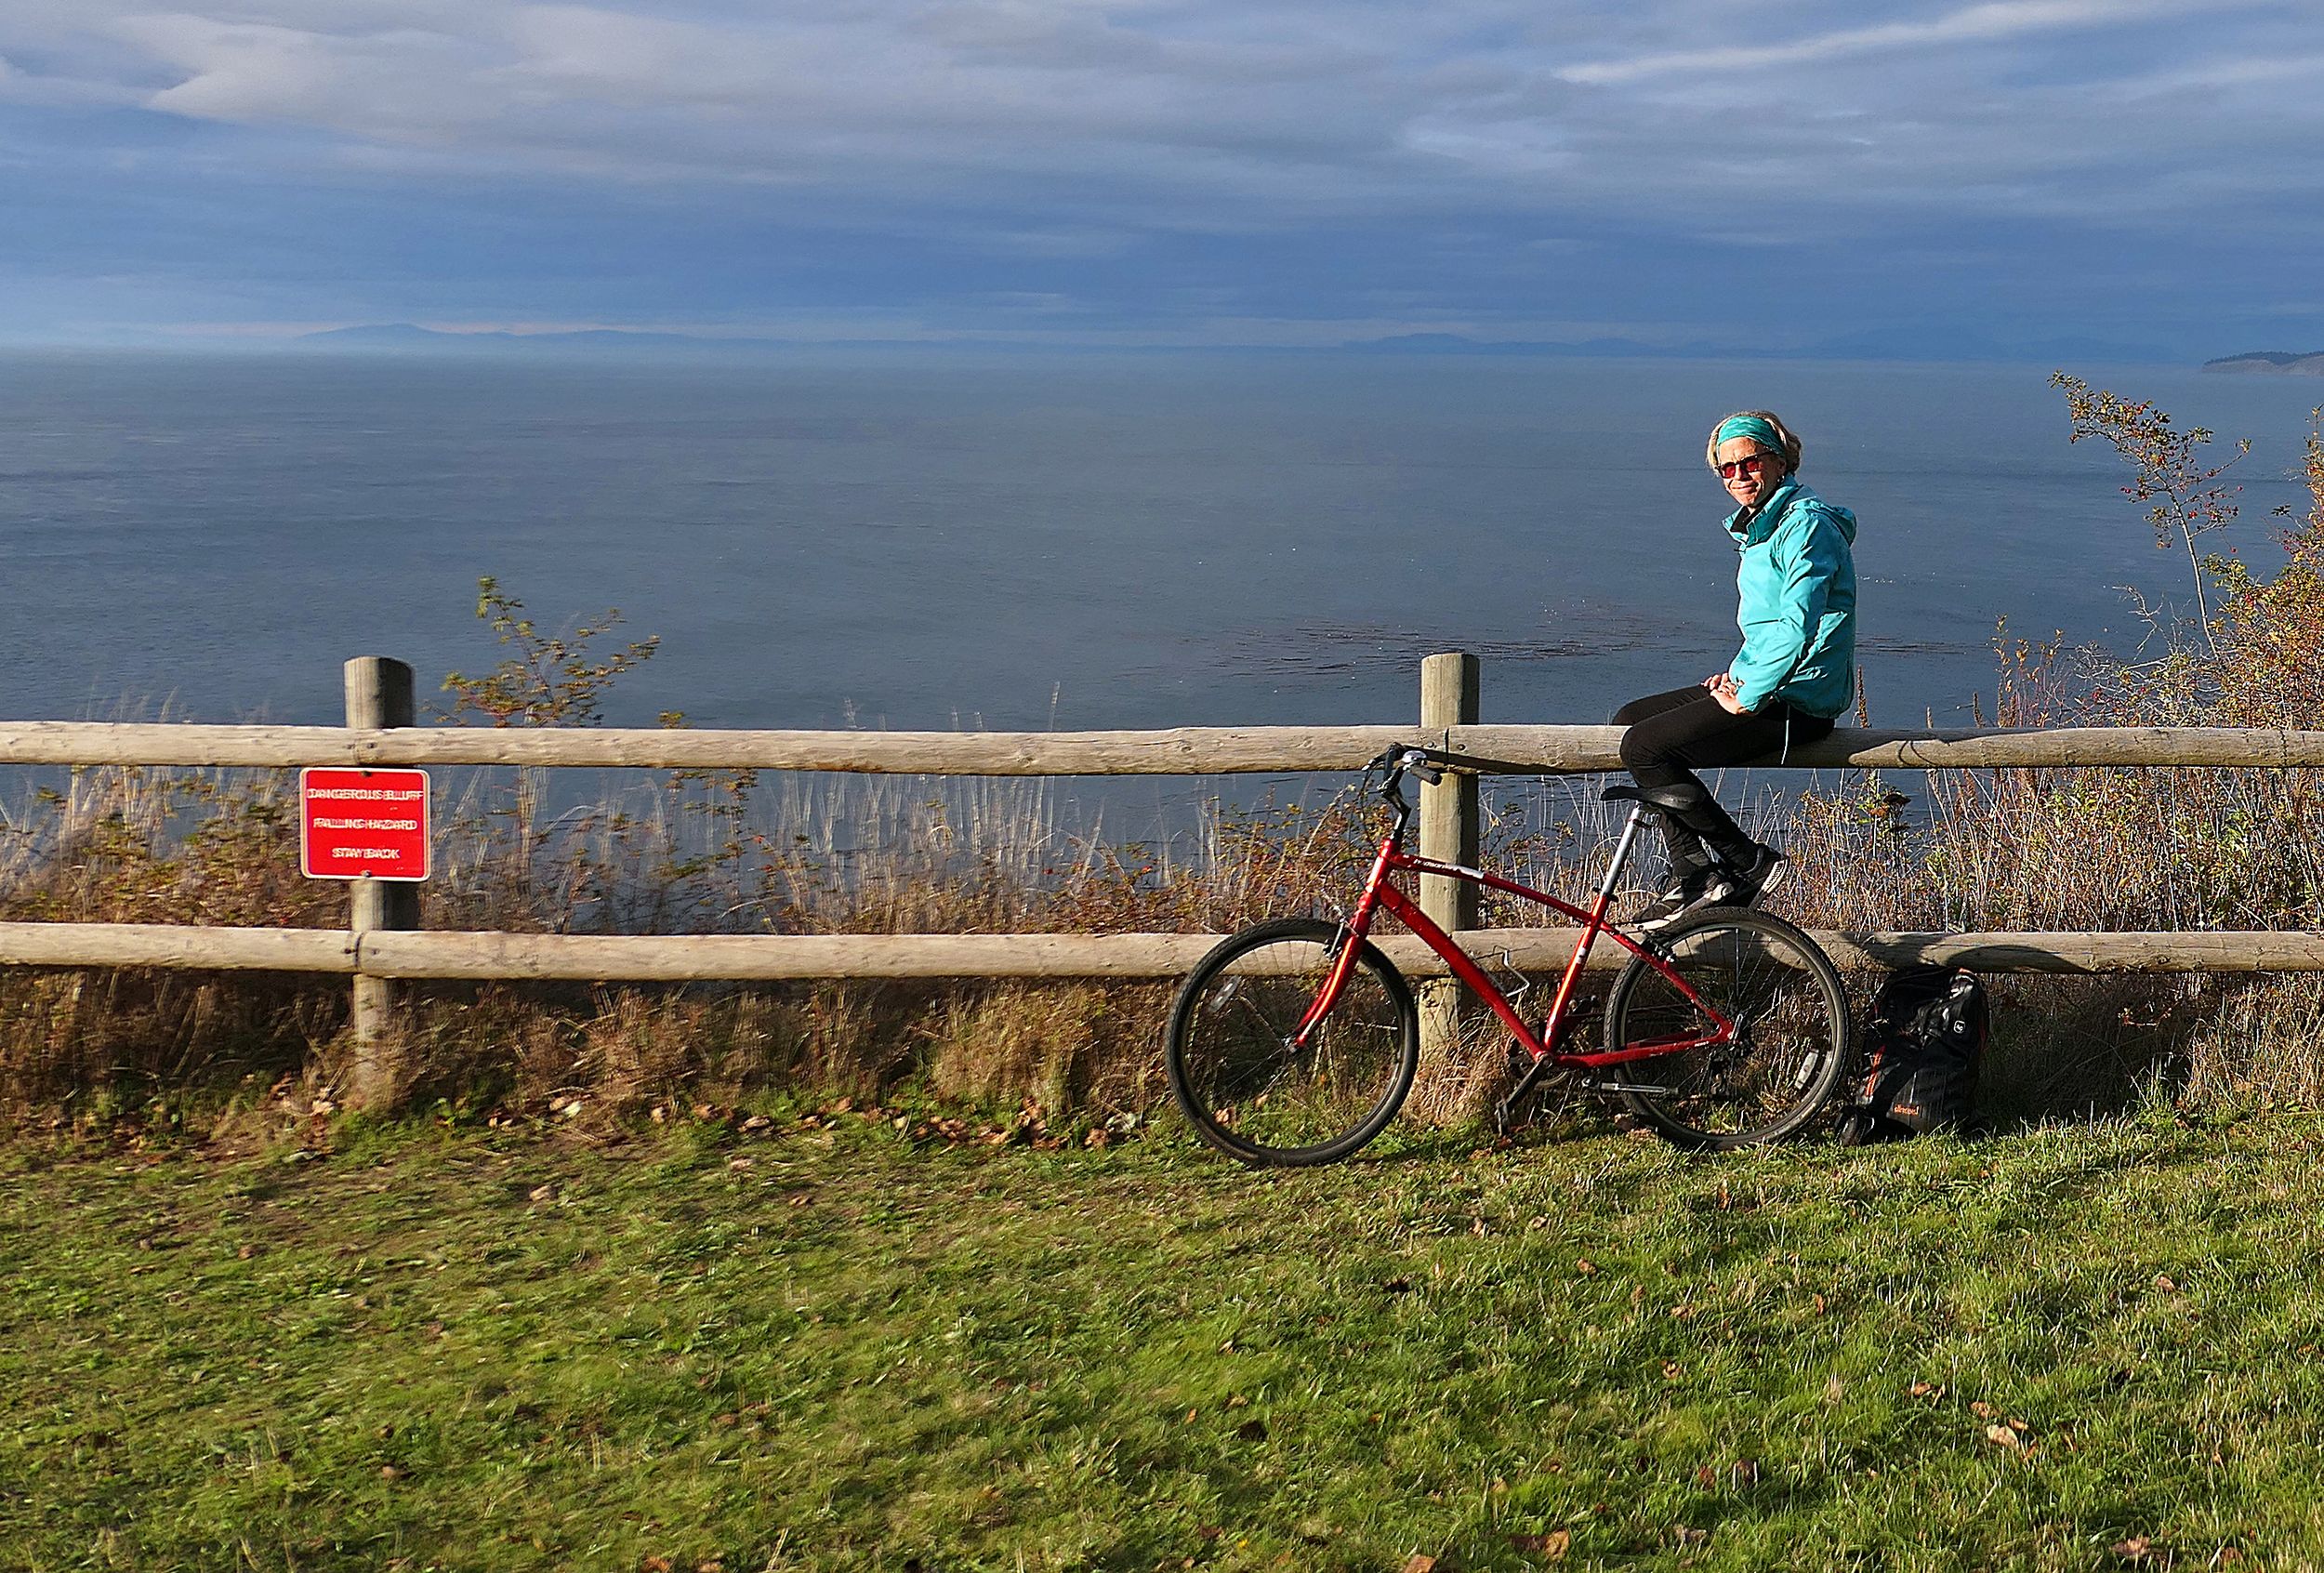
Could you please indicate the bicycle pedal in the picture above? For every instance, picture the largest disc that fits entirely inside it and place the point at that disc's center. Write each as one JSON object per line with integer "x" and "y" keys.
{"x": 1512, "y": 1109}
{"x": 1643, "y": 1088}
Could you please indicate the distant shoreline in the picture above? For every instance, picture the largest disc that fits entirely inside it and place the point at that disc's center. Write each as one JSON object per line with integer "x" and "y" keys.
{"x": 2270, "y": 362}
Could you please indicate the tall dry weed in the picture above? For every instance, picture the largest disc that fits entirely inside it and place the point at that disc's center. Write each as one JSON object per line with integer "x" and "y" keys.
{"x": 694, "y": 852}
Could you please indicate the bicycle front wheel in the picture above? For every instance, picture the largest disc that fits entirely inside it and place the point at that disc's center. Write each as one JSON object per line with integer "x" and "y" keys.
{"x": 1792, "y": 1036}
{"x": 1255, "y": 1095}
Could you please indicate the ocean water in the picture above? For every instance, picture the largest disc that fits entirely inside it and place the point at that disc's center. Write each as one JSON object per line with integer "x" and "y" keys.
{"x": 1121, "y": 541}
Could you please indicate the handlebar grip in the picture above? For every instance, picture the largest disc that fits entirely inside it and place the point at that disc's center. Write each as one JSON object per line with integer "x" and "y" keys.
{"x": 1412, "y": 761}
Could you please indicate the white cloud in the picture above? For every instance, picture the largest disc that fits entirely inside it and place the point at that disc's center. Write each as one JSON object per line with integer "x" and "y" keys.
{"x": 1975, "y": 24}
{"x": 1068, "y": 124}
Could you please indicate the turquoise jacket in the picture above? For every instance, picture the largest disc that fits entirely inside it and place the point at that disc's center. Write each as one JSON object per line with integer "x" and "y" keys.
{"x": 1797, "y": 590}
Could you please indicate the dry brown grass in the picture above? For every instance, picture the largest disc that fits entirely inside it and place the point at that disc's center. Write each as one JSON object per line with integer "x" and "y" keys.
{"x": 717, "y": 852}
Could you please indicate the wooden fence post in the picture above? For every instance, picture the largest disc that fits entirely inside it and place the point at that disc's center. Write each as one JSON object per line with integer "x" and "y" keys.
{"x": 1448, "y": 833}
{"x": 379, "y": 694}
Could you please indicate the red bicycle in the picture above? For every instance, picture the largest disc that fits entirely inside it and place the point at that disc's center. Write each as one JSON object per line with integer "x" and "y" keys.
{"x": 1295, "y": 1041}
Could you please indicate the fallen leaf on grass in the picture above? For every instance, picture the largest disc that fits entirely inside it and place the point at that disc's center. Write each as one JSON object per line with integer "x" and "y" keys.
{"x": 2138, "y": 1548}
{"x": 2003, "y": 1436}
{"x": 1983, "y": 1410}
{"x": 1553, "y": 1545}
{"x": 1585, "y": 1267}
{"x": 1670, "y": 1370}
{"x": 1421, "y": 1564}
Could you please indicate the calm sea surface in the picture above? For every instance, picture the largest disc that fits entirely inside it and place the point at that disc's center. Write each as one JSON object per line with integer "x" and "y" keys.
{"x": 1082, "y": 542}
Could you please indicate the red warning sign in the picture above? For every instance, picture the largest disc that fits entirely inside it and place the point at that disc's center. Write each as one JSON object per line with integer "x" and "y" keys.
{"x": 362, "y": 823}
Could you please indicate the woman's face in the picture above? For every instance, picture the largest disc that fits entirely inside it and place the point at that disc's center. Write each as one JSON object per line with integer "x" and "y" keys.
{"x": 1746, "y": 488}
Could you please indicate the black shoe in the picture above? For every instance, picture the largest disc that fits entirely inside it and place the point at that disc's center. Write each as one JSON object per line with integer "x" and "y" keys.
{"x": 1743, "y": 887}
{"x": 1681, "y": 895}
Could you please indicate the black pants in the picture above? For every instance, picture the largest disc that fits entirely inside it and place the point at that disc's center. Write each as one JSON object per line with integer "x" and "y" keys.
{"x": 1671, "y": 736}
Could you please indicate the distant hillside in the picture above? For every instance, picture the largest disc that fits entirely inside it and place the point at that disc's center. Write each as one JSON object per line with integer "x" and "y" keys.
{"x": 1894, "y": 344}
{"x": 405, "y": 336}
{"x": 2271, "y": 363}
{"x": 1880, "y": 344}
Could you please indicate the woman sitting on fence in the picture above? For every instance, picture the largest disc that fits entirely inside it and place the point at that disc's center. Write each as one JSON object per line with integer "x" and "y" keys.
{"x": 1796, "y": 671}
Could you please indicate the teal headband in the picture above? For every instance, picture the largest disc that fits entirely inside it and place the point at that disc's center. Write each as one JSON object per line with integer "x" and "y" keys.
{"x": 1754, "y": 426}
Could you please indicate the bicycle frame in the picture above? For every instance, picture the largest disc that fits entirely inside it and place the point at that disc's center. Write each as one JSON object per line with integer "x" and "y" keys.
{"x": 1381, "y": 895}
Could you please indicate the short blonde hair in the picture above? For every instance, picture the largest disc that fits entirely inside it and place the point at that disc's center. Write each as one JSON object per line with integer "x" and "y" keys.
{"x": 1789, "y": 440}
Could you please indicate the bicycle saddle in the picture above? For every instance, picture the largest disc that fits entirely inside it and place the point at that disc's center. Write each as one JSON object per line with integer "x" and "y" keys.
{"x": 1653, "y": 797}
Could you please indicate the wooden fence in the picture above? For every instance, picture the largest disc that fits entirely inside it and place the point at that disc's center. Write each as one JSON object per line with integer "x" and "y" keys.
{"x": 384, "y": 944}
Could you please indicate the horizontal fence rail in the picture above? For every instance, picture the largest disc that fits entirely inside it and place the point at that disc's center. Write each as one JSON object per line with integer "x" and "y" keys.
{"x": 444, "y": 954}
{"x": 385, "y": 947}
{"x": 1538, "y": 750}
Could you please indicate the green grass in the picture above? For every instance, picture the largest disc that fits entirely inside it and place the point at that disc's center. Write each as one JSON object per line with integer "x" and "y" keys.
{"x": 825, "y": 1348}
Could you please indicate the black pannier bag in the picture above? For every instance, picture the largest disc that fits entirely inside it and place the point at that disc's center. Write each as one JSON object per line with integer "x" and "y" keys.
{"x": 1922, "y": 1046}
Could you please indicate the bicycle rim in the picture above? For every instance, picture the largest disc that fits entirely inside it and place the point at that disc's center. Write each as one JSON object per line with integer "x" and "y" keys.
{"x": 1792, "y": 1041}
{"x": 1242, "y": 1083}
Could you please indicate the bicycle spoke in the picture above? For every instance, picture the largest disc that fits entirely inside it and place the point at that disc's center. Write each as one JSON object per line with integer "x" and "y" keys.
{"x": 1786, "y": 1029}
{"x": 1249, "y": 1087}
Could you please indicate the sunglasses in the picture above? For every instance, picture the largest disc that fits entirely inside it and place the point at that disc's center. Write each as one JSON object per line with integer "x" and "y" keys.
{"x": 1752, "y": 465}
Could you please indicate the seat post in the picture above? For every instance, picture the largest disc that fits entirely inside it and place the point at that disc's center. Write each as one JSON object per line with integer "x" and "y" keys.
{"x": 1621, "y": 852}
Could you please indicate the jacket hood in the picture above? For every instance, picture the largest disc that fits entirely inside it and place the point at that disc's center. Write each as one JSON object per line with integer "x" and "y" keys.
{"x": 1789, "y": 495}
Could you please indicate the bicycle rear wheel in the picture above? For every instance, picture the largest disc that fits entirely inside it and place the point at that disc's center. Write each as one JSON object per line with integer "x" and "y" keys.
{"x": 1253, "y": 1094}
{"x": 1791, "y": 1039}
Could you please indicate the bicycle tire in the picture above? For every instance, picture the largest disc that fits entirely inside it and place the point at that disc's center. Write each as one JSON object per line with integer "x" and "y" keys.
{"x": 1795, "y": 1040}
{"x": 1245, "y": 1091}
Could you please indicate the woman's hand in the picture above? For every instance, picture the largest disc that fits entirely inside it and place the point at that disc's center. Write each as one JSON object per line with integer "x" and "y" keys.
{"x": 1723, "y": 689}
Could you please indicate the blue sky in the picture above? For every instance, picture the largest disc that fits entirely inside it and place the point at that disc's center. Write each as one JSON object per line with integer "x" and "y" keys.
{"x": 2141, "y": 173}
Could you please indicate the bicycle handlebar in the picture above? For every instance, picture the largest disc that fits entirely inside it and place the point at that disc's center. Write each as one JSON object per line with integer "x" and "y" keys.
{"x": 1397, "y": 763}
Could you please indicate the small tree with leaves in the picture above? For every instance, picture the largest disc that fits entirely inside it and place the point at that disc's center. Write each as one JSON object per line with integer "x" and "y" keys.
{"x": 2186, "y": 498}
{"x": 544, "y": 680}
{"x": 2274, "y": 674}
